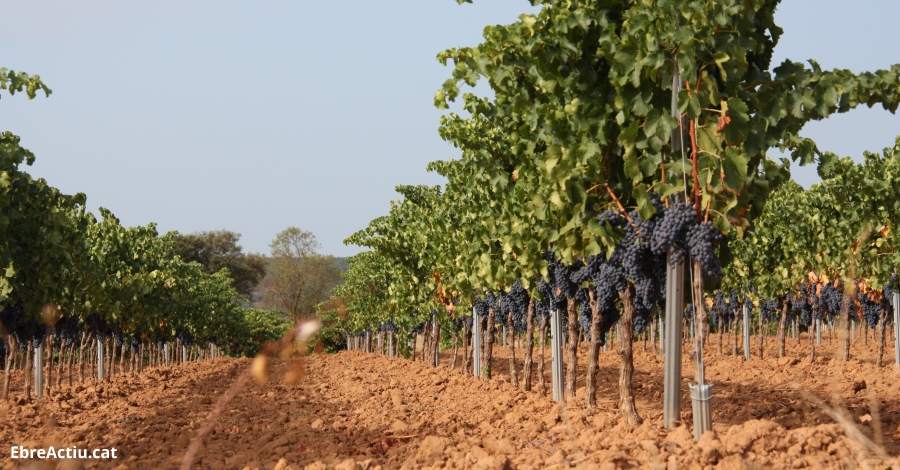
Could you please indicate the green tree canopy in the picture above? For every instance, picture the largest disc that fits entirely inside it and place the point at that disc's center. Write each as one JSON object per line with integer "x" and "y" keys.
{"x": 298, "y": 276}
{"x": 219, "y": 249}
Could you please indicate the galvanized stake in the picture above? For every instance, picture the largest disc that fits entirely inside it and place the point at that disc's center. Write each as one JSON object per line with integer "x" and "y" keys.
{"x": 746, "y": 331}
{"x": 700, "y": 395}
{"x": 897, "y": 329}
{"x": 556, "y": 342}
{"x": 672, "y": 359}
{"x": 476, "y": 345}
{"x": 662, "y": 335}
{"x": 818, "y": 326}
{"x": 38, "y": 371}
{"x": 100, "y": 373}
{"x": 437, "y": 343}
{"x": 674, "y": 298}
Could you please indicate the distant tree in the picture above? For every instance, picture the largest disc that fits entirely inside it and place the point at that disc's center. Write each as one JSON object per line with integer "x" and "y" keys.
{"x": 219, "y": 249}
{"x": 298, "y": 276}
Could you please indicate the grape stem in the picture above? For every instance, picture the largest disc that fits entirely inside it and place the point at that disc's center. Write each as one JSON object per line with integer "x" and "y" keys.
{"x": 695, "y": 191}
{"x": 618, "y": 203}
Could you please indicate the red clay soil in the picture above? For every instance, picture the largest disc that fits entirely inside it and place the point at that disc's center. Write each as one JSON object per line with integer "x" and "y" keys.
{"x": 364, "y": 411}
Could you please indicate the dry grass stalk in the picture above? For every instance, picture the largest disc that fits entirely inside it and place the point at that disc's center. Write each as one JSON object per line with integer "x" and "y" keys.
{"x": 210, "y": 421}
{"x": 259, "y": 370}
{"x": 850, "y": 430}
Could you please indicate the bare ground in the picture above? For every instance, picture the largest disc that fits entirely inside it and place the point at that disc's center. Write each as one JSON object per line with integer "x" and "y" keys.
{"x": 353, "y": 411}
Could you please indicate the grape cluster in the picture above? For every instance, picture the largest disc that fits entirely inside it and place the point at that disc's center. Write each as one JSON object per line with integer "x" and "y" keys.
{"x": 67, "y": 329}
{"x": 561, "y": 279}
{"x": 10, "y": 316}
{"x": 639, "y": 259}
{"x": 23, "y": 330}
{"x": 892, "y": 286}
{"x": 481, "y": 308}
{"x": 607, "y": 280}
{"x": 768, "y": 309}
{"x": 888, "y": 292}
{"x": 831, "y": 299}
{"x": 800, "y": 304}
{"x": 118, "y": 339}
{"x": 635, "y": 261}
{"x": 515, "y": 302}
{"x": 689, "y": 311}
{"x": 680, "y": 231}
{"x": 388, "y": 327}
{"x": 186, "y": 338}
{"x": 640, "y": 323}
{"x": 97, "y": 326}
{"x": 584, "y": 312}
{"x": 702, "y": 240}
{"x": 673, "y": 230}
{"x": 462, "y": 322}
{"x": 721, "y": 309}
{"x": 542, "y": 306}
{"x": 27, "y": 331}
{"x": 549, "y": 302}
{"x": 491, "y": 301}
{"x": 134, "y": 345}
{"x": 888, "y": 295}
{"x": 871, "y": 309}
{"x": 40, "y": 332}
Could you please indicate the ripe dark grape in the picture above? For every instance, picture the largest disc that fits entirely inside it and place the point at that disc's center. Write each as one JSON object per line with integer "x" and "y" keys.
{"x": 388, "y": 326}
{"x": 639, "y": 260}
{"x": 831, "y": 299}
{"x": 673, "y": 230}
{"x": 769, "y": 310}
{"x": 701, "y": 241}
{"x": 800, "y": 304}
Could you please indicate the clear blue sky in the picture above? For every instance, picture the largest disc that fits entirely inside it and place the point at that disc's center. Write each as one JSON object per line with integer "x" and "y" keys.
{"x": 255, "y": 116}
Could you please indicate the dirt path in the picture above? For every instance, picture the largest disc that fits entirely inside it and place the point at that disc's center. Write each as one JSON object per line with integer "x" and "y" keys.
{"x": 354, "y": 411}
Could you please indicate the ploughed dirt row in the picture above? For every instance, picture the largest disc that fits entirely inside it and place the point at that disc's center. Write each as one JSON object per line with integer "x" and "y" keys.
{"x": 356, "y": 411}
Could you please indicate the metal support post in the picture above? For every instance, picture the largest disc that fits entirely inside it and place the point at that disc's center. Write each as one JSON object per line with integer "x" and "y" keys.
{"x": 100, "y": 371}
{"x": 662, "y": 334}
{"x": 556, "y": 342}
{"x": 746, "y": 332}
{"x": 897, "y": 328}
{"x": 39, "y": 370}
{"x": 672, "y": 359}
{"x": 476, "y": 344}
{"x": 437, "y": 343}
{"x": 700, "y": 395}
